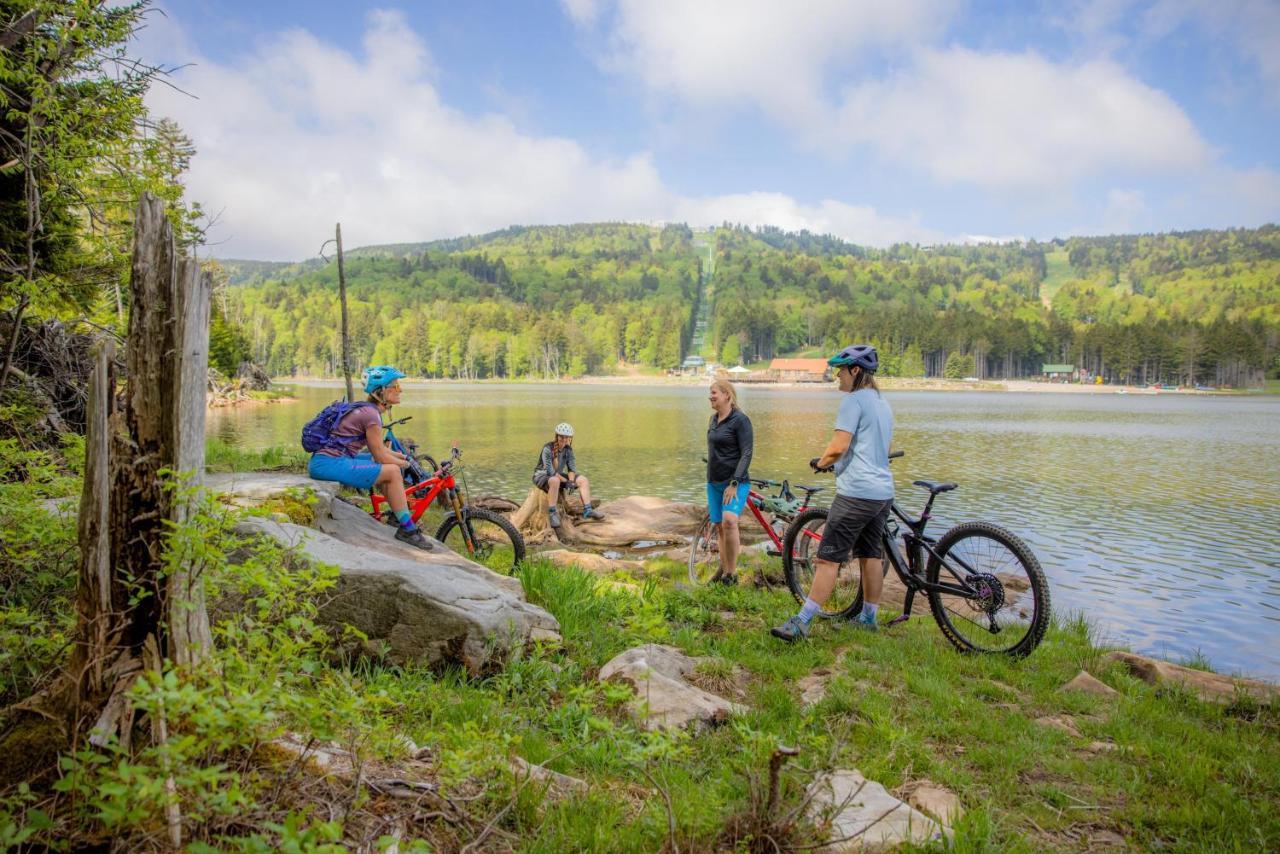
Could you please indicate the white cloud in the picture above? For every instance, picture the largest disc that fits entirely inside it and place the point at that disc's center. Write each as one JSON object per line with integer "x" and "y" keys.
{"x": 1018, "y": 121}
{"x": 857, "y": 224}
{"x": 760, "y": 51}
{"x": 298, "y": 134}
{"x": 582, "y": 12}
{"x": 1124, "y": 211}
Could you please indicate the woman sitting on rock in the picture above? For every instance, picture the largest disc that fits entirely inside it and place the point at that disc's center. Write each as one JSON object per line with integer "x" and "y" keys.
{"x": 558, "y": 470}
{"x": 341, "y": 459}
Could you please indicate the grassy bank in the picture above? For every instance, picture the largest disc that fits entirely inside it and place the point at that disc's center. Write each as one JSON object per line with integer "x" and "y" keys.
{"x": 901, "y": 706}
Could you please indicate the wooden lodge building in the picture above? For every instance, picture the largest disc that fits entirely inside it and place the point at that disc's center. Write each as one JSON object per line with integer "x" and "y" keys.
{"x": 799, "y": 370}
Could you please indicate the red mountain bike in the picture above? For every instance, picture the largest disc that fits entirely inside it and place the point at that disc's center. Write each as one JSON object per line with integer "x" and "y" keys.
{"x": 704, "y": 554}
{"x": 482, "y": 535}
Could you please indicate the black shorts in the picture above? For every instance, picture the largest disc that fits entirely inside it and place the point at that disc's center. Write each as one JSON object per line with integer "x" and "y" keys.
{"x": 854, "y": 529}
{"x": 540, "y": 480}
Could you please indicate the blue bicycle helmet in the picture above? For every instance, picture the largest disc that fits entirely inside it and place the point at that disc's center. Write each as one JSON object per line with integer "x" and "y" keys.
{"x": 862, "y": 355}
{"x": 380, "y": 377}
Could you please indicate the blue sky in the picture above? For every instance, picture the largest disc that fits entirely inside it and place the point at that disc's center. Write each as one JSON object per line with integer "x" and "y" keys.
{"x": 919, "y": 120}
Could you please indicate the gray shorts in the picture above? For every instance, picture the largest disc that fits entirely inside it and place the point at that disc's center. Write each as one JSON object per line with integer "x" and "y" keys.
{"x": 855, "y": 527}
{"x": 540, "y": 480}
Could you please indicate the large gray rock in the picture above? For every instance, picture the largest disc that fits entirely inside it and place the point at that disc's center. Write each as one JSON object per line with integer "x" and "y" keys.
{"x": 435, "y": 606}
{"x": 860, "y": 815}
{"x": 437, "y": 611}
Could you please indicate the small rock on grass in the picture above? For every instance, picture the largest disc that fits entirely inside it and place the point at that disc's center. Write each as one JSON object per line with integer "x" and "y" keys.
{"x": 1062, "y": 723}
{"x": 557, "y": 783}
{"x": 933, "y": 799}
{"x": 1098, "y": 747}
{"x": 813, "y": 688}
{"x": 1087, "y": 683}
{"x": 659, "y": 675}
{"x": 862, "y": 816}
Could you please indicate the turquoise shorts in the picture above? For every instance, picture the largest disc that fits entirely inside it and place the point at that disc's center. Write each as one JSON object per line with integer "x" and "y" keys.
{"x": 716, "y": 505}
{"x": 361, "y": 472}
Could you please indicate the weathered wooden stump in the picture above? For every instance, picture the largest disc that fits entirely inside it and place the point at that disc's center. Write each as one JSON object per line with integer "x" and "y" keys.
{"x": 535, "y": 525}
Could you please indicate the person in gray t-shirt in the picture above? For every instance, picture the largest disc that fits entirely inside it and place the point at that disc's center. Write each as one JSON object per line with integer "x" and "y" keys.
{"x": 859, "y": 452}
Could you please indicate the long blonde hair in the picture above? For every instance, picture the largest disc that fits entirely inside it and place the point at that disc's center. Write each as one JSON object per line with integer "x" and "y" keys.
{"x": 727, "y": 388}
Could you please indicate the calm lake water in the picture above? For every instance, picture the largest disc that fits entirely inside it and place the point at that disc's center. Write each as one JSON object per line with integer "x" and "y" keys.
{"x": 1158, "y": 516}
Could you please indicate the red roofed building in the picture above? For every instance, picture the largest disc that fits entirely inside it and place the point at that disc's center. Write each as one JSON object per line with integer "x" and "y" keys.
{"x": 799, "y": 370}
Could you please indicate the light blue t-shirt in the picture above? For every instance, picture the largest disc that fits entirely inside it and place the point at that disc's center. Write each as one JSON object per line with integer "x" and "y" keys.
{"x": 863, "y": 471}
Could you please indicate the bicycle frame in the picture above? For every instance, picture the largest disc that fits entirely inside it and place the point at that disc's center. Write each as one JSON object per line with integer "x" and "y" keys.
{"x": 442, "y": 482}
{"x": 910, "y": 568}
{"x": 755, "y": 501}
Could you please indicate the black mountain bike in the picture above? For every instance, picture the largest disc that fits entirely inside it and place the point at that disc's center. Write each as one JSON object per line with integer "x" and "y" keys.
{"x": 985, "y": 587}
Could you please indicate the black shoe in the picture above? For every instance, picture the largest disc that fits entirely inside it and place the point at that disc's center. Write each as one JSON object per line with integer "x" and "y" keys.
{"x": 726, "y": 580}
{"x": 414, "y": 537}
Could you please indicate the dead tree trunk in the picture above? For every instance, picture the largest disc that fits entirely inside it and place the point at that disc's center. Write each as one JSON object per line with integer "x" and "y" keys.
{"x": 346, "y": 336}
{"x": 126, "y": 600}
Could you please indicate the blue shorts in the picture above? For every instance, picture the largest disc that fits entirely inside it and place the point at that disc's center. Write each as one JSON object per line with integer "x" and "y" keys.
{"x": 716, "y": 504}
{"x": 361, "y": 472}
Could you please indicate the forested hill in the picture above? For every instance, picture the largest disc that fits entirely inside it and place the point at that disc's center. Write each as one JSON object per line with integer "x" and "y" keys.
{"x": 546, "y": 301}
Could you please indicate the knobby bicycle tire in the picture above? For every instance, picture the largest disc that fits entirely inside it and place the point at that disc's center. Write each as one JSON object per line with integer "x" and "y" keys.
{"x": 490, "y": 543}
{"x": 704, "y": 554}
{"x": 953, "y": 613}
{"x": 799, "y": 550}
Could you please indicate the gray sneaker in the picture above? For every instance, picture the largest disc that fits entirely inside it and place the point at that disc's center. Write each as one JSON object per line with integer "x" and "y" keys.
{"x": 593, "y": 514}
{"x": 791, "y": 631}
{"x": 554, "y": 516}
{"x": 414, "y": 537}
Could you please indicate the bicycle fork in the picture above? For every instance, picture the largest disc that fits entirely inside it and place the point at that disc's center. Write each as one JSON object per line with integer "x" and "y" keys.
{"x": 458, "y": 514}
{"x": 909, "y": 542}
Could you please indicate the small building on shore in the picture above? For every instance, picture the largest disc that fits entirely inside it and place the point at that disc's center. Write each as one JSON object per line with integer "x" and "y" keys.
{"x": 799, "y": 370}
{"x": 1058, "y": 373}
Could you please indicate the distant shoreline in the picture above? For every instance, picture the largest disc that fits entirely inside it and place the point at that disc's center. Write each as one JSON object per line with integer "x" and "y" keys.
{"x": 886, "y": 383}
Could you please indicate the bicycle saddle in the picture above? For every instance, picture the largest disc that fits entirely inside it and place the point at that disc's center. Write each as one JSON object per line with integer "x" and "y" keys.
{"x": 935, "y": 488}
{"x": 809, "y": 489}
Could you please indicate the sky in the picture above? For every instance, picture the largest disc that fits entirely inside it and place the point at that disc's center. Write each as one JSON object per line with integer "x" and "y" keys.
{"x": 923, "y": 121}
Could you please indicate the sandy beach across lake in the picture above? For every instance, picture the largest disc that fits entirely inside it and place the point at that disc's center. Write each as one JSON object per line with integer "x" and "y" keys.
{"x": 886, "y": 383}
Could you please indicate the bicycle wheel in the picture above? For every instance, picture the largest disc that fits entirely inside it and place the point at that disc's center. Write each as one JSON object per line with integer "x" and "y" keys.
{"x": 1008, "y": 611}
{"x": 799, "y": 554}
{"x": 498, "y": 545}
{"x": 704, "y": 553}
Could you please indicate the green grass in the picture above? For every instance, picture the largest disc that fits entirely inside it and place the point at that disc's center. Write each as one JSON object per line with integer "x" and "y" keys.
{"x": 222, "y": 457}
{"x": 901, "y": 705}
{"x": 1057, "y": 273}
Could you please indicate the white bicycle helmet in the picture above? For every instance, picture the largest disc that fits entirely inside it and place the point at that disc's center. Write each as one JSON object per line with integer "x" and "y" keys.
{"x": 564, "y": 428}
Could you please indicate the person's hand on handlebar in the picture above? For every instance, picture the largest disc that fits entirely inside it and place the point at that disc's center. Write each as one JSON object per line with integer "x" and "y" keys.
{"x": 813, "y": 464}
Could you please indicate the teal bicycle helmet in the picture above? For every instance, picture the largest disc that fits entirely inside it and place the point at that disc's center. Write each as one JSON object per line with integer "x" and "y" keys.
{"x": 862, "y": 355}
{"x": 380, "y": 377}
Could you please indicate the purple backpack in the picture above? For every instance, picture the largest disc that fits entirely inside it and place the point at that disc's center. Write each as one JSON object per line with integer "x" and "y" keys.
{"x": 316, "y": 432}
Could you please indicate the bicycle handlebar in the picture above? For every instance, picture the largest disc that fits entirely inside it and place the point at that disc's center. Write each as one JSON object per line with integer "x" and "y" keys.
{"x": 391, "y": 424}
{"x": 831, "y": 467}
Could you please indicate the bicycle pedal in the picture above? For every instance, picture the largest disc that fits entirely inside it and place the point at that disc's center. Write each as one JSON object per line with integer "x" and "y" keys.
{"x": 900, "y": 619}
{"x": 773, "y": 553}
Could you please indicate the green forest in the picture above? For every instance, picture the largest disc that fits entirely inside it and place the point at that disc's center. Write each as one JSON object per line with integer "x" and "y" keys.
{"x": 1186, "y": 308}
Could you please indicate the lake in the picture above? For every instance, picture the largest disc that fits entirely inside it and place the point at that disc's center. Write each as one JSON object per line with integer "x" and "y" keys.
{"x": 1157, "y": 516}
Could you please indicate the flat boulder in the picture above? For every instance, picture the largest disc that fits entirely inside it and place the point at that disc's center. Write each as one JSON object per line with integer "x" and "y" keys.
{"x": 435, "y": 608}
{"x": 664, "y": 696}
{"x": 860, "y": 815}
{"x": 1208, "y": 686}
